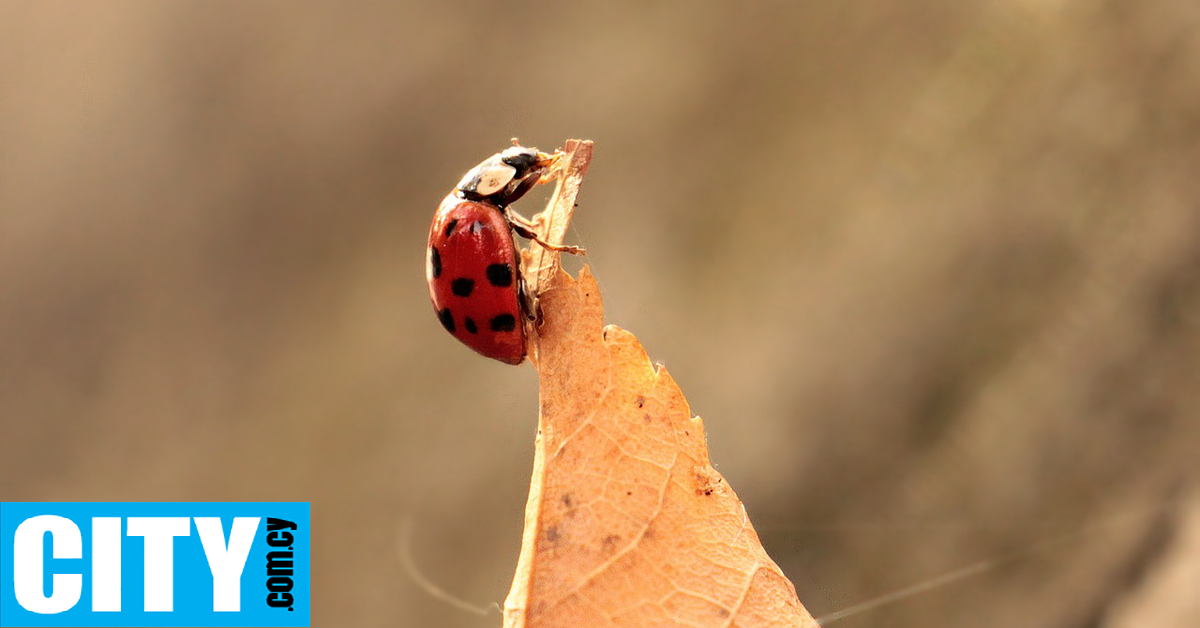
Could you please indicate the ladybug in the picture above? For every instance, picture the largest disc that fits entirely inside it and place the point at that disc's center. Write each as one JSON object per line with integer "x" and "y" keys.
{"x": 472, "y": 264}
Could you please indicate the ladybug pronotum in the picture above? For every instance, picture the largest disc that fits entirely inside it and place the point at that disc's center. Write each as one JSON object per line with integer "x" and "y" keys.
{"x": 472, "y": 264}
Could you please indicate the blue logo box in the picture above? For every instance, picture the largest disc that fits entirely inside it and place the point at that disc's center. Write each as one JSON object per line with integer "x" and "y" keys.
{"x": 154, "y": 564}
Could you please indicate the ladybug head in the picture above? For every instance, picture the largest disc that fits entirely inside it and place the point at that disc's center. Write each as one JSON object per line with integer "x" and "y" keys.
{"x": 523, "y": 160}
{"x": 506, "y": 176}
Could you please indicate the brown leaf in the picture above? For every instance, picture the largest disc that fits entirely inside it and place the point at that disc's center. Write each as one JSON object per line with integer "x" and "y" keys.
{"x": 627, "y": 523}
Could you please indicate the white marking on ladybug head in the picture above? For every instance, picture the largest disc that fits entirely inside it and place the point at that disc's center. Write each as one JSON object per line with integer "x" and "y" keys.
{"x": 488, "y": 177}
{"x": 493, "y": 177}
{"x": 518, "y": 150}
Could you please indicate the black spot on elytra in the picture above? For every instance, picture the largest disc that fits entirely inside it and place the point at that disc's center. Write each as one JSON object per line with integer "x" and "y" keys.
{"x": 500, "y": 275}
{"x": 470, "y": 325}
{"x": 450, "y": 227}
{"x": 640, "y": 401}
{"x": 462, "y": 287}
{"x": 435, "y": 261}
{"x": 503, "y": 322}
{"x": 447, "y": 319}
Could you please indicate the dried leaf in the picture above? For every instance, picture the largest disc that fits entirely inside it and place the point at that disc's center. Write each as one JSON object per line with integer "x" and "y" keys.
{"x": 627, "y": 523}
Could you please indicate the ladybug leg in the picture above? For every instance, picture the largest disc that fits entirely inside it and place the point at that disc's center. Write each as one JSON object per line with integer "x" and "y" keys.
{"x": 561, "y": 248}
{"x": 529, "y": 304}
{"x": 550, "y": 165}
{"x": 525, "y": 229}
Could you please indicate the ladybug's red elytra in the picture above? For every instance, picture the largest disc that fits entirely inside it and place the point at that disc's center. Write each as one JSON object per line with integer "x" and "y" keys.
{"x": 472, "y": 264}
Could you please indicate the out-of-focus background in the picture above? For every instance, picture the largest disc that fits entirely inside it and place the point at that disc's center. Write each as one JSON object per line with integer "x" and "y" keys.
{"x": 929, "y": 270}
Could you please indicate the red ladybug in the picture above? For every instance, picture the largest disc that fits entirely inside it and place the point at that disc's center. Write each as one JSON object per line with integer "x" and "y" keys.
{"x": 472, "y": 265}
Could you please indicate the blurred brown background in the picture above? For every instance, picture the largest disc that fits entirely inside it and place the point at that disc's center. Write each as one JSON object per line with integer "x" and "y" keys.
{"x": 929, "y": 270}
